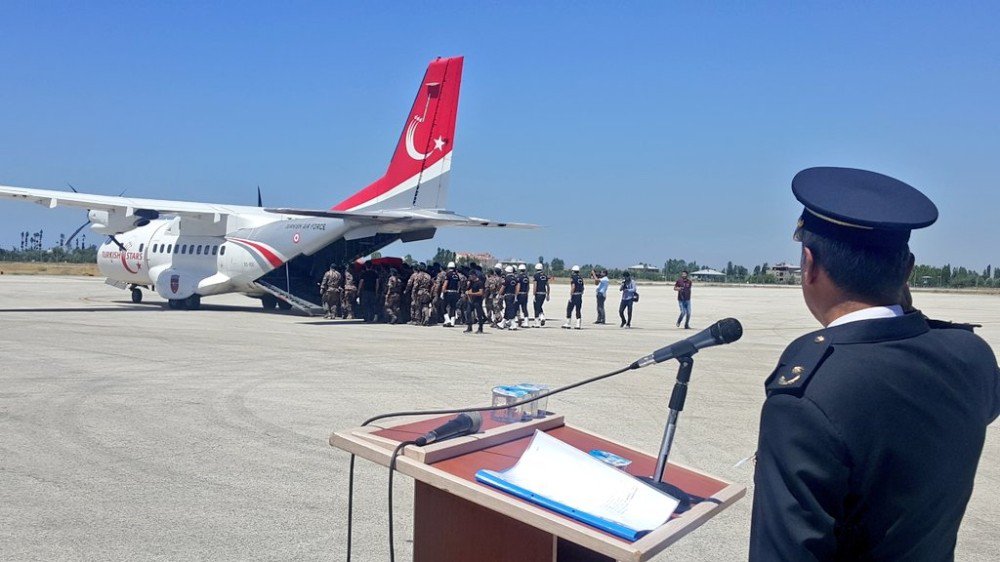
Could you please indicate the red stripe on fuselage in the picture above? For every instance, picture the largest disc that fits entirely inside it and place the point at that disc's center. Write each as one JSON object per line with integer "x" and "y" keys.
{"x": 271, "y": 258}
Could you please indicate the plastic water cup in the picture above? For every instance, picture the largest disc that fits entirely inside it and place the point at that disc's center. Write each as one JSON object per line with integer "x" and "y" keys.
{"x": 506, "y": 395}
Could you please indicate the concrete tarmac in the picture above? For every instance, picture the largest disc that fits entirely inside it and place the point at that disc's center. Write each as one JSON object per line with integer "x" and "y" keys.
{"x": 135, "y": 432}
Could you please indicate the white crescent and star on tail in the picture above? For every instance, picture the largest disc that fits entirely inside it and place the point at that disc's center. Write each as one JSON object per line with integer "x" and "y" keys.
{"x": 411, "y": 150}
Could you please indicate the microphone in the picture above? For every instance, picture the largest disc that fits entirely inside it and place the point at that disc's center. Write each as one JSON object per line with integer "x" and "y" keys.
{"x": 462, "y": 424}
{"x": 724, "y": 331}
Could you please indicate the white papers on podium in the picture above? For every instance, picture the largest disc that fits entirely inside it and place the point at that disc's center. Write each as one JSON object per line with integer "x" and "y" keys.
{"x": 565, "y": 479}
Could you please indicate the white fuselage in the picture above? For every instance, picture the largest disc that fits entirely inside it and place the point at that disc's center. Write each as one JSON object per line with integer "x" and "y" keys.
{"x": 178, "y": 258}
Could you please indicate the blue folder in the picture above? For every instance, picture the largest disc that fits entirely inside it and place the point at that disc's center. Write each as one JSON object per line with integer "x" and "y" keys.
{"x": 495, "y": 479}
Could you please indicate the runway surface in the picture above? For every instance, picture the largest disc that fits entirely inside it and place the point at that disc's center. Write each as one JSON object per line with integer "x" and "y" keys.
{"x": 135, "y": 432}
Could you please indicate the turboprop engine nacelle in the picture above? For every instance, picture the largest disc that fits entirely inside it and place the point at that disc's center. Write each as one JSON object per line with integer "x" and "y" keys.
{"x": 173, "y": 284}
{"x": 111, "y": 222}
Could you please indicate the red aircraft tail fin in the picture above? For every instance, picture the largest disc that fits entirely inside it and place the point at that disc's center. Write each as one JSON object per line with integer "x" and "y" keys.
{"x": 420, "y": 166}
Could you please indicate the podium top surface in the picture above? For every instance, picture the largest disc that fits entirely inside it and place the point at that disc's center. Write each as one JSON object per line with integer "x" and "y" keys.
{"x": 505, "y": 455}
{"x": 500, "y": 447}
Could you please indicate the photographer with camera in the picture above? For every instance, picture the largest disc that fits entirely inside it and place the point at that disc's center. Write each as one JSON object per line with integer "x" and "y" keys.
{"x": 630, "y": 296}
{"x": 600, "y": 278}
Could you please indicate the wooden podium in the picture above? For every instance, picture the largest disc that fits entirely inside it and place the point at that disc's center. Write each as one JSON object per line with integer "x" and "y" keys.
{"x": 459, "y": 519}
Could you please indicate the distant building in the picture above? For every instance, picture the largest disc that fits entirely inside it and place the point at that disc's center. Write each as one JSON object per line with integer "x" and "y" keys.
{"x": 643, "y": 268}
{"x": 483, "y": 258}
{"x": 708, "y": 274}
{"x": 786, "y": 273}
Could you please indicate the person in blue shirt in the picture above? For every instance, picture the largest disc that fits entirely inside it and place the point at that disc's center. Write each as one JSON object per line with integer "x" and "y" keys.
{"x": 629, "y": 293}
{"x": 600, "y": 278}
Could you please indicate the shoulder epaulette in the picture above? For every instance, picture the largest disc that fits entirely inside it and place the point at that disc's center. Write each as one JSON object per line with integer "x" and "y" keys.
{"x": 798, "y": 364}
{"x": 944, "y": 325}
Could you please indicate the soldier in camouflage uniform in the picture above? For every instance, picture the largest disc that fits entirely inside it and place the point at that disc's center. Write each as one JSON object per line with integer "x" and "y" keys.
{"x": 393, "y": 294}
{"x": 422, "y": 296}
{"x": 404, "y": 300}
{"x": 350, "y": 294}
{"x": 492, "y": 287}
{"x": 330, "y": 292}
{"x": 409, "y": 292}
{"x": 437, "y": 274}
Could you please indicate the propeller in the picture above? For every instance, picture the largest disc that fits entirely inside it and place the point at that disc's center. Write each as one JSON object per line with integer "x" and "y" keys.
{"x": 84, "y": 225}
{"x": 260, "y": 201}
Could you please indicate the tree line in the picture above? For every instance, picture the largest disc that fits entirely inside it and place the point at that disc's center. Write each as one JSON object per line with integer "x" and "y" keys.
{"x": 32, "y": 249}
{"x": 922, "y": 276}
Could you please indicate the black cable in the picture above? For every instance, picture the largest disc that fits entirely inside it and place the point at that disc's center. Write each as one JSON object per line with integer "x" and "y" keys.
{"x": 503, "y": 406}
{"x": 350, "y": 505}
{"x": 350, "y": 479}
{"x": 392, "y": 468}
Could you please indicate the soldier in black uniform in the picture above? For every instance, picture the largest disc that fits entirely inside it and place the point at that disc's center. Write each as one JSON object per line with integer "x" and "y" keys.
{"x": 575, "y": 298}
{"x": 450, "y": 289}
{"x": 541, "y": 295}
{"x": 523, "y": 288}
{"x": 474, "y": 293}
{"x": 873, "y": 426}
{"x": 509, "y": 293}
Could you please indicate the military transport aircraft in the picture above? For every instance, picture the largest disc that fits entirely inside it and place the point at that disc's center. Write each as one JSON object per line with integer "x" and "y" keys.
{"x": 186, "y": 250}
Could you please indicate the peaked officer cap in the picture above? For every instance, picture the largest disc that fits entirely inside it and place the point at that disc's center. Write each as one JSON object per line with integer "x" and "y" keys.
{"x": 860, "y": 207}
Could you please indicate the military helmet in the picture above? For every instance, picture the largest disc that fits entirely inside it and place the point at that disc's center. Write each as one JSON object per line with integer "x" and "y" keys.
{"x": 509, "y": 269}
{"x": 522, "y": 267}
{"x": 451, "y": 265}
{"x": 576, "y": 268}
{"x": 538, "y": 267}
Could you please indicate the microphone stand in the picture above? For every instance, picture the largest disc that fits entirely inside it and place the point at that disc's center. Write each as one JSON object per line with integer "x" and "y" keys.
{"x": 677, "y": 398}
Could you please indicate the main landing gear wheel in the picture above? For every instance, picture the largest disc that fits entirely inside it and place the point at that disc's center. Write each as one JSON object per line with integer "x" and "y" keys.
{"x": 268, "y": 302}
{"x": 284, "y": 305}
{"x": 136, "y": 295}
{"x": 193, "y": 302}
{"x": 175, "y": 304}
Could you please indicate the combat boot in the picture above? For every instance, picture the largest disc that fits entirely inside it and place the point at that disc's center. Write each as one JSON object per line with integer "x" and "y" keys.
{"x": 541, "y": 320}
{"x": 567, "y": 325}
{"x": 579, "y": 324}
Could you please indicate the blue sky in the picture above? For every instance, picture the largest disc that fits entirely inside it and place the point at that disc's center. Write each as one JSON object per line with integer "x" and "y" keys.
{"x": 632, "y": 131}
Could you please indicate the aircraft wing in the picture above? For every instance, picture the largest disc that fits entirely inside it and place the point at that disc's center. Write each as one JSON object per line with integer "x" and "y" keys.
{"x": 423, "y": 217}
{"x": 129, "y": 205}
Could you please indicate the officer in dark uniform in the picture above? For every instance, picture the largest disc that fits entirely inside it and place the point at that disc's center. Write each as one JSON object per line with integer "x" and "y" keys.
{"x": 475, "y": 291}
{"x": 873, "y": 426}
{"x": 541, "y": 295}
{"x": 523, "y": 288}
{"x": 575, "y": 298}
{"x": 450, "y": 288}
{"x": 509, "y": 293}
